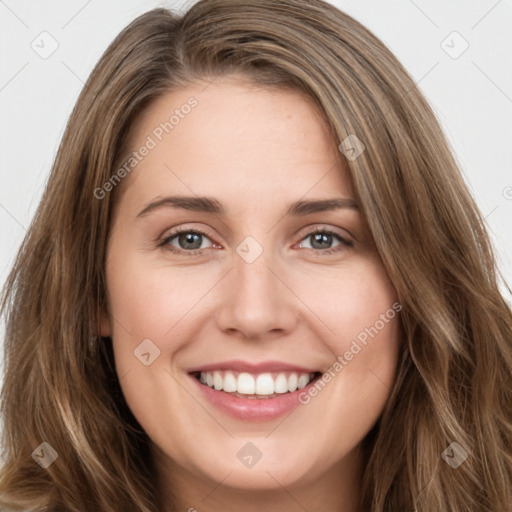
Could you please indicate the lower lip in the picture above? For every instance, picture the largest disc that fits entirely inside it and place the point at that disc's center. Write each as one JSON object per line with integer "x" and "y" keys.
{"x": 253, "y": 409}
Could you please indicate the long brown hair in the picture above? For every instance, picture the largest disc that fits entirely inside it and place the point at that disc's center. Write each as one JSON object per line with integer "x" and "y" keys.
{"x": 453, "y": 380}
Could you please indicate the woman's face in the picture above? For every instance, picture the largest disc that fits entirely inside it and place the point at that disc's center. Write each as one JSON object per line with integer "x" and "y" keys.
{"x": 247, "y": 294}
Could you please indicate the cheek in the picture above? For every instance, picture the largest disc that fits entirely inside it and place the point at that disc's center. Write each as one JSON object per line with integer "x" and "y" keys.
{"x": 148, "y": 300}
{"x": 360, "y": 308}
{"x": 156, "y": 302}
{"x": 359, "y": 312}
{"x": 350, "y": 301}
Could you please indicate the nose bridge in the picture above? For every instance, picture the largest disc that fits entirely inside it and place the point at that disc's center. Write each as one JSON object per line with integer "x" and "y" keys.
{"x": 252, "y": 274}
{"x": 254, "y": 283}
{"x": 255, "y": 301}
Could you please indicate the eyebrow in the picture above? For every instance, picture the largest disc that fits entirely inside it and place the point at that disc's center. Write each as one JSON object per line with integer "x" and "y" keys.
{"x": 210, "y": 205}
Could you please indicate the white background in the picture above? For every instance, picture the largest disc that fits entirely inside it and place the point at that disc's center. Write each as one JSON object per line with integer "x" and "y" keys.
{"x": 471, "y": 95}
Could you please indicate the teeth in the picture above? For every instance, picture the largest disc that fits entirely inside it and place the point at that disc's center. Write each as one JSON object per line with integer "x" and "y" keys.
{"x": 263, "y": 384}
{"x": 281, "y": 384}
{"x": 217, "y": 380}
{"x": 292, "y": 382}
{"x": 229, "y": 383}
{"x": 246, "y": 384}
{"x": 303, "y": 381}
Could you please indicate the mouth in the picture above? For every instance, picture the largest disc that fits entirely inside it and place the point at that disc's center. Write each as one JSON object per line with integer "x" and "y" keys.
{"x": 253, "y": 391}
{"x": 255, "y": 386}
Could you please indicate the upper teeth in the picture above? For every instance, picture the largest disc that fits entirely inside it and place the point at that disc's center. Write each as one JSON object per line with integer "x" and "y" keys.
{"x": 260, "y": 384}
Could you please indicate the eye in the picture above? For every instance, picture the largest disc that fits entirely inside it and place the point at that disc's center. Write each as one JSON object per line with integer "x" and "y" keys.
{"x": 185, "y": 240}
{"x": 192, "y": 242}
{"x": 322, "y": 239}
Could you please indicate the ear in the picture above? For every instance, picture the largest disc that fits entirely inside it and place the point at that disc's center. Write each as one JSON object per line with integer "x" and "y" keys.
{"x": 103, "y": 327}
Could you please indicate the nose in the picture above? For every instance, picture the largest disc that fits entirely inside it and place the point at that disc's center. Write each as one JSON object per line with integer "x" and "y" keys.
{"x": 256, "y": 301}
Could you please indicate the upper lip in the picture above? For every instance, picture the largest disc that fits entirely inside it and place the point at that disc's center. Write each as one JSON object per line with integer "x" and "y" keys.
{"x": 250, "y": 367}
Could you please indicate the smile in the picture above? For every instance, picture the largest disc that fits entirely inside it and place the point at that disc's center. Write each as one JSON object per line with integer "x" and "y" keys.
{"x": 255, "y": 386}
{"x": 253, "y": 391}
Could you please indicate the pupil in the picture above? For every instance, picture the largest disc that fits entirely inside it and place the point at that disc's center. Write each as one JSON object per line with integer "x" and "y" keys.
{"x": 190, "y": 238}
{"x": 321, "y": 238}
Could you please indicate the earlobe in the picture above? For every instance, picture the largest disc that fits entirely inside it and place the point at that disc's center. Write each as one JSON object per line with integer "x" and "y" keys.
{"x": 105, "y": 328}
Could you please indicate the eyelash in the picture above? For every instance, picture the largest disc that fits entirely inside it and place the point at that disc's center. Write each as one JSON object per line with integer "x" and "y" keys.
{"x": 164, "y": 243}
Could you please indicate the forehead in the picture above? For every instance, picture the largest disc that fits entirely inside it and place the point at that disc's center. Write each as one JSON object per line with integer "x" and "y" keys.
{"x": 233, "y": 139}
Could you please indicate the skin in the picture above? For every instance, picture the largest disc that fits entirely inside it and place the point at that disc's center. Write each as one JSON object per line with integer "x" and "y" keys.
{"x": 245, "y": 146}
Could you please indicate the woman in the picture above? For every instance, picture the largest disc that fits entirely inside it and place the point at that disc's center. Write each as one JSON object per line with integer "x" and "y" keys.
{"x": 256, "y": 280}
